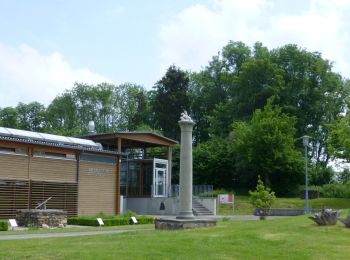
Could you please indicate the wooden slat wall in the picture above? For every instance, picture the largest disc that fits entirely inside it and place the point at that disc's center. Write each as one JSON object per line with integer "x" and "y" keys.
{"x": 48, "y": 169}
{"x": 64, "y": 195}
{"x": 13, "y": 196}
{"x": 13, "y": 166}
{"x": 97, "y": 188}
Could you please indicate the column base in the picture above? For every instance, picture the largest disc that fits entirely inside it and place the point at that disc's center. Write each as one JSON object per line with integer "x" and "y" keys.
{"x": 173, "y": 224}
{"x": 185, "y": 215}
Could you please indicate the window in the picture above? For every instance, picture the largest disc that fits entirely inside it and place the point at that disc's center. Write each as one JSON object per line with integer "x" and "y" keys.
{"x": 98, "y": 158}
{"x": 9, "y": 150}
{"x": 39, "y": 153}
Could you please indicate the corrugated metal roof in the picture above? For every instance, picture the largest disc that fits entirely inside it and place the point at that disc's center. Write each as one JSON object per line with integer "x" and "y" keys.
{"x": 16, "y": 135}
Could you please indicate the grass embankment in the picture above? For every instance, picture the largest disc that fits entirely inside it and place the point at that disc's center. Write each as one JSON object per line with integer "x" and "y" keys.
{"x": 243, "y": 206}
{"x": 288, "y": 238}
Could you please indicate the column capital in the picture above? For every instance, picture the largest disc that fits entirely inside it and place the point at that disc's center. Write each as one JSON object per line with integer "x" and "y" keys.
{"x": 186, "y": 125}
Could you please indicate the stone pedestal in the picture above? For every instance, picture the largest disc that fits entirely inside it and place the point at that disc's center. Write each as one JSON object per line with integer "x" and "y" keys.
{"x": 185, "y": 186}
{"x": 38, "y": 217}
{"x": 173, "y": 224}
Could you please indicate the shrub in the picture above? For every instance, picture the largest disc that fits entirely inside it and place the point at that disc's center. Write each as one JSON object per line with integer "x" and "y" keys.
{"x": 116, "y": 221}
{"x": 262, "y": 198}
{"x": 82, "y": 221}
{"x": 336, "y": 190}
{"x": 4, "y": 225}
{"x": 129, "y": 214}
{"x": 145, "y": 220}
{"x": 109, "y": 221}
{"x": 344, "y": 176}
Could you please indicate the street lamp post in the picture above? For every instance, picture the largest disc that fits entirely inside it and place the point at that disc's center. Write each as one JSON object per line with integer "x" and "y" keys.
{"x": 306, "y": 143}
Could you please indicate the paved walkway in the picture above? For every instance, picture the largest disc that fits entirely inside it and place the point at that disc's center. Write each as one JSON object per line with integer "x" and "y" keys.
{"x": 65, "y": 234}
{"x": 219, "y": 217}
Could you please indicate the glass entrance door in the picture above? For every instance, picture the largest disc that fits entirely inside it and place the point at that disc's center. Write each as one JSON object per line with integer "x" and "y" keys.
{"x": 160, "y": 178}
{"x": 160, "y": 182}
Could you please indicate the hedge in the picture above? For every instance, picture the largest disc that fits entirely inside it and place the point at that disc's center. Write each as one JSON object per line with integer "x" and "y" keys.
{"x": 115, "y": 221}
{"x": 4, "y": 225}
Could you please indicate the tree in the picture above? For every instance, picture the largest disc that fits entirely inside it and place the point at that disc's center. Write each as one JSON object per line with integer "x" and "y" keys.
{"x": 339, "y": 140}
{"x": 312, "y": 93}
{"x": 9, "y": 117}
{"x": 265, "y": 146}
{"x": 213, "y": 163}
{"x": 211, "y": 91}
{"x": 62, "y": 117}
{"x": 343, "y": 176}
{"x": 321, "y": 175}
{"x": 262, "y": 198}
{"x": 240, "y": 80}
{"x": 31, "y": 116}
{"x": 170, "y": 99}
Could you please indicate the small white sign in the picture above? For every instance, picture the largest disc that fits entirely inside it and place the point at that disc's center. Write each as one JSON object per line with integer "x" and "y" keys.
{"x": 134, "y": 220}
{"x": 226, "y": 198}
{"x": 100, "y": 221}
{"x": 13, "y": 222}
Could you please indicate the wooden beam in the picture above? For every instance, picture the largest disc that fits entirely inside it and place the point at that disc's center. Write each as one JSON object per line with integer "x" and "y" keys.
{"x": 117, "y": 183}
{"x": 30, "y": 156}
{"x": 170, "y": 166}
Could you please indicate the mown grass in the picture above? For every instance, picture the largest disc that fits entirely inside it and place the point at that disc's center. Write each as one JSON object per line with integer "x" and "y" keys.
{"x": 75, "y": 229}
{"x": 288, "y": 238}
{"x": 243, "y": 207}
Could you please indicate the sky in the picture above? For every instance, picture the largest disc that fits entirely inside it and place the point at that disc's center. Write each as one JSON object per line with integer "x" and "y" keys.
{"x": 47, "y": 46}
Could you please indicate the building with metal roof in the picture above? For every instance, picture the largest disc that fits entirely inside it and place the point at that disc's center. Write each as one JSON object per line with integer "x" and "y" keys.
{"x": 85, "y": 175}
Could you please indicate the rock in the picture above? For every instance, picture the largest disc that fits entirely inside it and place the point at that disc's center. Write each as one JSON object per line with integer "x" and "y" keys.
{"x": 45, "y": 226}
{"x": 326, "y": 217}
{"x": 345, "y": 221}
{"x": 60, "y": 225}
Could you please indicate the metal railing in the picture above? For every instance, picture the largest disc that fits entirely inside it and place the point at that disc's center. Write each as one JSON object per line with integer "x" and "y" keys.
{"x": 197, "y": 191}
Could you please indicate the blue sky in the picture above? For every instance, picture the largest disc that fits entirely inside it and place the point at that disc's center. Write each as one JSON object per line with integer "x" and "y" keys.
{"x": 46, "y": 46}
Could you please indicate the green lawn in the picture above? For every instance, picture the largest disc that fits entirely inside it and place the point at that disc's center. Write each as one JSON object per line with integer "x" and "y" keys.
{"x": 74, "y": 229}
{"x": 288, "y": 238}
{"x": 243, "y": 207}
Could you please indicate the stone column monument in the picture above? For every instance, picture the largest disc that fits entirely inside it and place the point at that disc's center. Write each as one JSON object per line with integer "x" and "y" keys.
{"x": 185, "y": 194}
{"x": 185, "y": 218}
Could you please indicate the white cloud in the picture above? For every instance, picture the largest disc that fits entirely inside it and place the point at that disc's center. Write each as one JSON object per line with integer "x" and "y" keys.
{"x": 191, "y": 37}
{"x": 27, "y": 75}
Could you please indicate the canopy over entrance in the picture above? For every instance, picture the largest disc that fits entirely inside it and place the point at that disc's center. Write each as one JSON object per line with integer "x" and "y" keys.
{"x": 131, "y": 140}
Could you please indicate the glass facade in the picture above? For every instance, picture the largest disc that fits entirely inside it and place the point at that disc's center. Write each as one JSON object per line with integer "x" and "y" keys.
{"x": 136, "y": 178}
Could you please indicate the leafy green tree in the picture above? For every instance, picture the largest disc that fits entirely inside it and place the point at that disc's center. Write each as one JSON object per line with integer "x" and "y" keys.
{"x": 343, "y": 176}
{"x": 258, "y": 81}
{"x": 213, "y": 163}
{"x": 62, "y": 117}
{"x": 339, "y": 140}
{"x": 9, "y": 117}
{"x": 133, "y": 106}
{"x": 265, "y": 146}
{"x": 170, "y": 99}
{"x": 241, "y": 79}
{"x": 262, "y": 198}
{"x": 321, "y": 175}
{"x": 211, "y": 91}
{"x": 31, "y": 116}
{"x": 312, "y": 93}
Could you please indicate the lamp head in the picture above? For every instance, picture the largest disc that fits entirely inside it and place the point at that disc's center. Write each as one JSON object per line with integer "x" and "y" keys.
{"x": 306, "y": 140}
